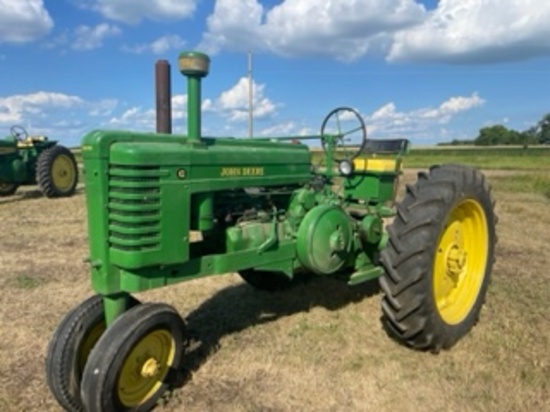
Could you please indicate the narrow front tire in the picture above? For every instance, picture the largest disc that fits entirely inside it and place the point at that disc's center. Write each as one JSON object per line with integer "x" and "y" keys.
{"x": 129, "y": 368}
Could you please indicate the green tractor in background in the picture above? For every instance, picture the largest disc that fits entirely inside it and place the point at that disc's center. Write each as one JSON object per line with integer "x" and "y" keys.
{"x": 258, "y": 208}
{"x": 30, "y": 160}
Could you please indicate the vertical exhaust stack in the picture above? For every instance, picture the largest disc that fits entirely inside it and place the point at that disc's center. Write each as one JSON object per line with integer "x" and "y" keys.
{"x": 163, "y": 94}
{"x": 194, "y": 66}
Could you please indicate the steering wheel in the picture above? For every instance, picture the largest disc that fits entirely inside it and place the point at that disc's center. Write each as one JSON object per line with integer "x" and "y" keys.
{"x": 346, "y": 144}
{"x": 19, "y": 133}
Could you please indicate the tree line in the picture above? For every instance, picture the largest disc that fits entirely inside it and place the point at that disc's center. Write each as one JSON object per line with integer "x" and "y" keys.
{"x": 501, "y": 135}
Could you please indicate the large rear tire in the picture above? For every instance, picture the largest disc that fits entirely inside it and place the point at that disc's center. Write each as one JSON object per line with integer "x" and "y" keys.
{"x": 439, "y": 258}
{"x": 57, "y": 172}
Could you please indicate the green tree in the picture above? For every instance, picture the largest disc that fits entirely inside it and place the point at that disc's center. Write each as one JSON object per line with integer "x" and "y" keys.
{"x": 493, "y": 135}
{"x": 500, "y": 135}
{"x": 543, "y": 129}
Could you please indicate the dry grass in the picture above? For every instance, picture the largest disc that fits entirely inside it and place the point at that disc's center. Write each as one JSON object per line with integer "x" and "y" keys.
{"x": 319, "y": 347}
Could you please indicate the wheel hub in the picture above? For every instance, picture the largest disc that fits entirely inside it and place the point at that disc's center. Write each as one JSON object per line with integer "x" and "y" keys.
{"x": 62, "y": 172}
{"x": 460, "y": 261}
{"x": 337, "y": 241}
{"x": 456, "y": 261}
{"x": 150, "y": 368}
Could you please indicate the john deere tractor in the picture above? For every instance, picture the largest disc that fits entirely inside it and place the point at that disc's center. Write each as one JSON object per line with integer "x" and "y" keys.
{"x": 30, "y": 160}
{"x": 164, "y": 209}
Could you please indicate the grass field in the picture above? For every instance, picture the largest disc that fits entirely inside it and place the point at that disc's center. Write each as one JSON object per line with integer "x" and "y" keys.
{"x": 319, "y": 347}
{"x": 501, "y": 158}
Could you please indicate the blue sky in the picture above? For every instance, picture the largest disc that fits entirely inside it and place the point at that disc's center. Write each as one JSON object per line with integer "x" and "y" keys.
{"x": 427, "y": 70}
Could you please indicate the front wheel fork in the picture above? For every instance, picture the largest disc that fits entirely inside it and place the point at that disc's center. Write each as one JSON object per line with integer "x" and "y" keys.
{"x": 116, "y": 305}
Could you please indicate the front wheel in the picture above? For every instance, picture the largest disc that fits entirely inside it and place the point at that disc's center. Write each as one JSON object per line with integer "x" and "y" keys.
{"x": 69, "y": 349}
{"x": 439, "y": 258}
{"x": 128, "y": 369}
{"x": 7, "y": 189}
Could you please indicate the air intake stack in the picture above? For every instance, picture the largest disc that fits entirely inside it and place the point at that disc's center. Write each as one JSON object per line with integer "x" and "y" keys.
{"x": 194, "y": 66}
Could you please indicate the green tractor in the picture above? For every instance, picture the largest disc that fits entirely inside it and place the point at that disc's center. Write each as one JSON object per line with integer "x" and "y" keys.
{"x": 257, "y": 207}
{"x": 30, "y": 160}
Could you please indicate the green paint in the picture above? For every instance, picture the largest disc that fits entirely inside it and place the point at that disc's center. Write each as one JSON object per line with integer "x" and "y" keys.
{"x": 256, "y": 203}
{"x": 193, "y": 108}
{"x": 18, "y": 163}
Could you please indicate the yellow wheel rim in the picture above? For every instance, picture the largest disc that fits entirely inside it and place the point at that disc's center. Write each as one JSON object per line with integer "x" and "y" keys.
{"x": 88, "y": 344}
{"x": 145, "y": 368}
{"x": 63, "y": 172}
{"x": 460, "y": 261}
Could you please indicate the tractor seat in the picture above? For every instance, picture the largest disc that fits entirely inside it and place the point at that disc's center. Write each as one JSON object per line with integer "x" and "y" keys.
{"x": 387, "y": 146}
{"x": 30, "y": 141}
{"x": 381, "y": 155}
{"x": 376, "y": 165}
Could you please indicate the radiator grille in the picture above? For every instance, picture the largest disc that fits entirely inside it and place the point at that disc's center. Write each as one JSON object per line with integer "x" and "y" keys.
{"x": 134, "y": 208}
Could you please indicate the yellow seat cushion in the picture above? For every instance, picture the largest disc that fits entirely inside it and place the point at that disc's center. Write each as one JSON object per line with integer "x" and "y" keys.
{"x": 29, "y": 141}
{"x": 25, "y": 143}
{"x": 377, "y": 165}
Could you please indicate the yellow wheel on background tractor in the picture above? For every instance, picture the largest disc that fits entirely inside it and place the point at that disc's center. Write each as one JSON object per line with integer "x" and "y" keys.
{"x": 132, "y": 363}
{"x": 57, "y": 172}
{"x": 439, "y": 258}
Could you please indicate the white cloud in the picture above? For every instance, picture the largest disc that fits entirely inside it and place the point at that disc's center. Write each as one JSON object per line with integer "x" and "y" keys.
{"x": 453, "y": 106}
{"x": 58, "y": 115}
{"x": 281, "y": 129}
{"x": 473, "y": 31}
{"x": 234, "y": 24}
{"x": 179, "y": 106}
{"x": 13, "y": 108}
{"x": 388, "y": 121}
{"x": 89, "y": 38}
{"x": 346, "y": 29}
{"x": 133, "y": 11}
{"x": 135, "y": 118}
{"x": 103, "y": 108}
{"x": 286, "y": 128}
{"x": 144, "y": 119}
{"x": 233, "y": 103}
{"x": 159, "y": 46}
{"x": 456, "y": 31}
{"x": 23, "y": 20}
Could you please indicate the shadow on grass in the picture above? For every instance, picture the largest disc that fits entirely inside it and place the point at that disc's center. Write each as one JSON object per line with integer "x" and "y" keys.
{"x": 239, "y": 307}
{"x": 31, "y": 194}
{"x": 20, "y": 196}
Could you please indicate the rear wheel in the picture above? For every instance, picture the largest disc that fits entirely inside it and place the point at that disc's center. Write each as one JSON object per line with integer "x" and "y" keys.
{"x": 57, "y": 172}
{"x": 129, "y": 368}
{"x": 439, "y": 259}
{"x": 7, "y": 189}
